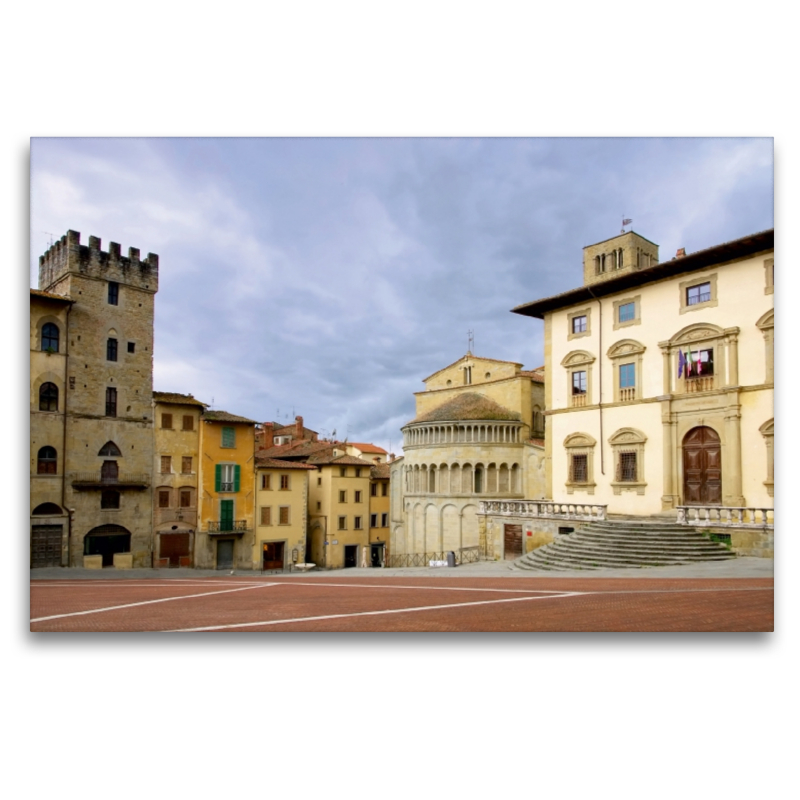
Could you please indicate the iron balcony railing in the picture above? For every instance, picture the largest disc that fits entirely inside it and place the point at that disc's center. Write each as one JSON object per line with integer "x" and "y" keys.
{"x": 89, "y": 480}
{"x": 228, "y": 526}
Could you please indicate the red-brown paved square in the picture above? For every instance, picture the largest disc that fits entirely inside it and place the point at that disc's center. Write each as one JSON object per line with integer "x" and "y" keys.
{"x": 411, "y": 604}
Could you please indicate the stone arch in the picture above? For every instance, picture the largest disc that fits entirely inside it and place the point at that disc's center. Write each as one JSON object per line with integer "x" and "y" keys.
{"x": 106, "y": 541}
{"x": 515, "y": 479}
{"x": 767, "y": 430}
{"x": 451, "y": 528}
{"x": 47, "y": 510}
{"x": 432, "y": 532}
{"x": 418, "y": 529}
{"x": 502, "y": 479}
{"x": 110, "y": 449}
{"x": 698, "y": 332}
{"x": 466, "y": 478}
{"x": 469, "y": 526}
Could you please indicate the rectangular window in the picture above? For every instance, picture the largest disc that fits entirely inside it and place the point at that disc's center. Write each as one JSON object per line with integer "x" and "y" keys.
{"x": 186, "y": 498}
{"x": 358, "y": 497}
{"x": 284, "y": 482}
{"x": 698, "y": 294}
{"x": 188, "y": 422}
{"x": 579, "y": 324}
{"x": 166, "y": 422}
{"x": 283, "y": 515}
{"x": 358, "y": 472}
{"x": 343, "y": 472}
{"x": 699, "y": 363}
{"x": 357, "y": 523}
{"x": 186, "y": 465}
{"x": 580, "y": 468}
{"x": 342, "y": 496}
{"x": 131, "y": 347}
{"x": 384, "y": 520}
{"x": 627, "y": 466}
{"x": 111, "y": 350}
{"x": 226, "y": 478}
{"x": 166, "y": 465}
{"x": 373, "y": 490}
{"x": 111, "y": 402}
{"x": 373, "y": 520}
{"x": 627, "y": 312}
{"x": 266, "y": 482}
{"x": 627, "y": 376}
{"x": 163, "y": 498}
{"x": 319, "y": 481}
{"x": 113, "y": 293}
{"x": 266, "y": 515}
{"x": 228, "y": 437}
{"x": 579, "y": 382}
{"x": 319, "y": 505}
{"x": 384, "y": 489}
{"x": 342, "y": 523}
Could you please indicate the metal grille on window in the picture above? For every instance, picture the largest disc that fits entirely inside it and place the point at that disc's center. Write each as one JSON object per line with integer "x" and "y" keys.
{"x": 626, "y": 468}
{"x": 580, "y": 468}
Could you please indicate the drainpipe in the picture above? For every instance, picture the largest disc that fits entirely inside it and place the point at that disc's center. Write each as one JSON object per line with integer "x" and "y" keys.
{"x": 64, "y": 441}
{"x": 600, "y": 379}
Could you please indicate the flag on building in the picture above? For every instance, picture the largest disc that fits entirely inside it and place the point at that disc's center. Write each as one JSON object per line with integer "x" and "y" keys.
{"x": 681, "y": 363}
{"x": 626, "y": 221}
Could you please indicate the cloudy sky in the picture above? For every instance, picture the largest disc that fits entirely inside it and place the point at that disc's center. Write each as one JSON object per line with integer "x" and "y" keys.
{"x": 328, "y": 276}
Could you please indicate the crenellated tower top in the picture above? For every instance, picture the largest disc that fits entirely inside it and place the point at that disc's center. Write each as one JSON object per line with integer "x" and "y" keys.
{"x": 68, "y": 255}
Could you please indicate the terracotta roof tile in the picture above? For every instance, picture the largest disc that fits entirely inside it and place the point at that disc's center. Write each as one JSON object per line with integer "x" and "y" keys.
{"x": 367, "y": 448}
{"x": 379, "y": 471}
{"x": 277, "y": 463}
{"x": 177, "y": 399}
{"x": 339, "y": 461}
{"x": 469, "y": 405}
{"x": 51, "y": 296}
{"x": 298, "y": 449}
{"x": 224, "y": 416}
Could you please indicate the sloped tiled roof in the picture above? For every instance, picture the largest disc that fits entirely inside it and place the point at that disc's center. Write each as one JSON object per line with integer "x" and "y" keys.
{"x": 297, "y": 449}
{"x": 367, "y": 448}
{"x": 536, "y": 442}
{"x": 277, "y": 463}
{"x": 469, "y": 405}
{"x": 224, "y": 416}
{"x": 51, "y": 296}
{"x": 177, "y": 399}
{"x": 342, "y": 461}
{"x": 379, "y": 471}
{"x": 536, "y": 375}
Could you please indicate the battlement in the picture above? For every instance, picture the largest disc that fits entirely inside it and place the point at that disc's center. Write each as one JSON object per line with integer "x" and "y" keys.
{"x": 68, "y": 255}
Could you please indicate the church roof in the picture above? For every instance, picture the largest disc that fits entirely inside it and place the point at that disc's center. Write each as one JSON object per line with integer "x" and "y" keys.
{"x": 476, "y": 358}
{"x": 469, "y": 405}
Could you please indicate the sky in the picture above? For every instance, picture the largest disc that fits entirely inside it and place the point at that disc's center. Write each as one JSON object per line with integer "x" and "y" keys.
{"x": 327, "y": 277}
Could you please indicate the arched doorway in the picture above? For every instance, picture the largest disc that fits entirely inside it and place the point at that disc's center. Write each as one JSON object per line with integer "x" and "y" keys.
{"x": 702, "y": 467}
{"x": 105, "y": 541}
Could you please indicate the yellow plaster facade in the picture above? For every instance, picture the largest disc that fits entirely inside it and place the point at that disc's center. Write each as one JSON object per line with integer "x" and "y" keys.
{"x": 225, "y": 538}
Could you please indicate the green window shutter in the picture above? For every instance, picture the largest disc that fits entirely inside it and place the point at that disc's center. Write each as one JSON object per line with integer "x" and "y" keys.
{"x": 226, "y": 515}
{"x": 228, "y": 437}
{"x": 217, "y": 477}
{"x": 236, "y": 474}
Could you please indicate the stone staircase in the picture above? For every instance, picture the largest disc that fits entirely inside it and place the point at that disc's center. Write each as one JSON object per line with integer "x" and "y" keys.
{"x": 615, "y": 544}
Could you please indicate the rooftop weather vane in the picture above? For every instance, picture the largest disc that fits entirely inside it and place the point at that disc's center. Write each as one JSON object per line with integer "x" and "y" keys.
{"x": 625, "y": 222}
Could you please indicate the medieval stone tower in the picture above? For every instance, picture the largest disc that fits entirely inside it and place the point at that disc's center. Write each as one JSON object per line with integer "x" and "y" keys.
{"x": 106, "y": 398}
{"x": 611, "y": 258}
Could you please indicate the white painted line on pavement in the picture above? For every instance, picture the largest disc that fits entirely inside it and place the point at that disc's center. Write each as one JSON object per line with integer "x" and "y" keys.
{"x": 366, "y": 613}
{"x": 149, "y": 602}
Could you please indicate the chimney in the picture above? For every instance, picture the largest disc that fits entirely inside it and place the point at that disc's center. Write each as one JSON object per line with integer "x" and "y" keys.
{"x": 391, "y": 457}
{"x": 268, "y": 434}
{"x": 681, "y": 252}
{"x": 298, "y": 428}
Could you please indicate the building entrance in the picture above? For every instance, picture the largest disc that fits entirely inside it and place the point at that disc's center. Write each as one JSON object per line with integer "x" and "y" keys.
{"x": 46, "y": 545}
{"x": 105, "y": 541}
{"x": 350, "y": 555}
{"x": 702, "y": 467}
{"x": 225, "y": 554}
{"x": 512, "y": 539}
{"x": 273, "y": 555}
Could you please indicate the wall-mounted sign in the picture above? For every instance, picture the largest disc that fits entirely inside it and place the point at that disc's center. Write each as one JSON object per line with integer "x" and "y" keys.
{"x": 336, "y": 541}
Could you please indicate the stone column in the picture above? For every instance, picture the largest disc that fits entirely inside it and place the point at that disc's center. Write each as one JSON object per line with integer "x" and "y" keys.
{"x": 732, "y": 463}
{"x": 733, "y": 360}
{"x": 669, "y": 498}
{"x": 667, "y": 367}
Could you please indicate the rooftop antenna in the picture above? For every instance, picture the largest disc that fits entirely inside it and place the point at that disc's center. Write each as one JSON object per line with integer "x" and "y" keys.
{"x": 470, "y": 341}
{"x": 625, "y": 222}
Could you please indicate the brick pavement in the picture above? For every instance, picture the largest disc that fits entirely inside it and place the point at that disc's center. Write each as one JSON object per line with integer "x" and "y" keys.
{"x": 343, "y": 601}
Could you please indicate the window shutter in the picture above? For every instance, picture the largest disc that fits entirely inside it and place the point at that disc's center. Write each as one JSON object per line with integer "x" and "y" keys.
{"x": 236, "y": 473}
{"x": 217, "y": 477}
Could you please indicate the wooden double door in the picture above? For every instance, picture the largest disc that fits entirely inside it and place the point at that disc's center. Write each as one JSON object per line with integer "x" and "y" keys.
{"x": 702, "y": 467}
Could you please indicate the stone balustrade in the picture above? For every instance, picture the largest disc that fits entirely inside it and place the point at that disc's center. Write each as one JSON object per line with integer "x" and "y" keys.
{"x": 544, "y": 508}
{"x": 727, "y": 516}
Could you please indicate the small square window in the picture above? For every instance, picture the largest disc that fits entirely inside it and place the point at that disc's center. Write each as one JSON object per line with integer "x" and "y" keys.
{"x": 188, "y": 422}
{"x": 166, "y": 422}
{"x": 131, "y": 347}
{"x": 579, "y": 324}
{"x": 698, "y": 294}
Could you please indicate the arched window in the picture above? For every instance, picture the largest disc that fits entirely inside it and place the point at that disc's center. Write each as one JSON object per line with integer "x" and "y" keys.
{"x": 109, "y": 449}
{"x": 50, "y": 337}
{"x": 48, "y": 461}
{"x": 48, "y": 397}
{"x": 47, "y": 510}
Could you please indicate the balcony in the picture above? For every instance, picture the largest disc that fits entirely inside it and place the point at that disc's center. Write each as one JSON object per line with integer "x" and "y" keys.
{"x": 699, "y": 383}
{"x": 120, "y": 480}
{"x": 579, "y": 400}
{"x": 627, "y": 394}
{"x": 235, "y": 527}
